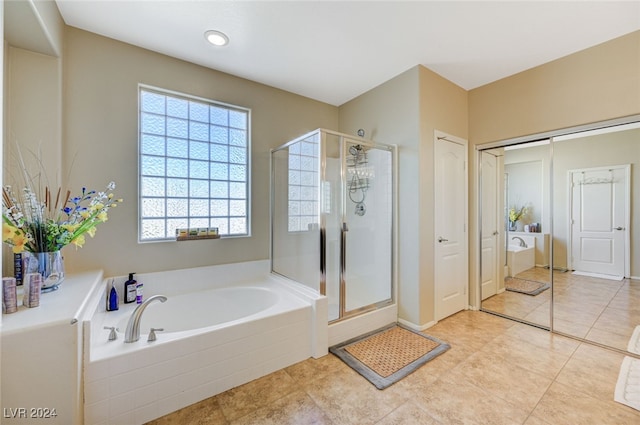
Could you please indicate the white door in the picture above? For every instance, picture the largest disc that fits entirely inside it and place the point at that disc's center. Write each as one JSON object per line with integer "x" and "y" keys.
{"x": 451, "y": 266}
{"x": 599, "y": 220}
{"x": 489, "y": 211}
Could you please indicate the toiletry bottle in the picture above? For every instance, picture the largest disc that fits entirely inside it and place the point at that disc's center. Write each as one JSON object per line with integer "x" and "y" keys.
{"x": 139, "y": 293}
{"x": 130, "y": 289}
{"x": 113, "y": 298}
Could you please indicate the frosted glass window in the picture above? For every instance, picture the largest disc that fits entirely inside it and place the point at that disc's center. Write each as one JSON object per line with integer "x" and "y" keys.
{"x": 303, "y": 185}
{"x": 194, "y": 165}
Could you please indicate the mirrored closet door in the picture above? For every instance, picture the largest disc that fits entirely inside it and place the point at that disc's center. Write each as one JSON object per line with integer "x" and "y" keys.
{"x": 596, "y": 205}
{"x": 515, "y": 231}
{"x": 560, "y": 229}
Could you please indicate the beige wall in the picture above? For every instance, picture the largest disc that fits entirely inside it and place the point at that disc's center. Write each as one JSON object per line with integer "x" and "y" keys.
{"x": 100, "y": 123}
{"x": 599, "y": 83}
{"x": 406, "y": 111}
{"x": 443, "y": 107}
{"x": 390, "y": 113}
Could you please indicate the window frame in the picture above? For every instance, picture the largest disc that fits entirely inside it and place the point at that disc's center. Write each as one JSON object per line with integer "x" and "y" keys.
{"x": 192, "y": 98}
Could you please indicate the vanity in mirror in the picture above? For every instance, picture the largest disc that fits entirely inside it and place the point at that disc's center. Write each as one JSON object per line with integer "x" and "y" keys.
{"x": 559, "y": 231}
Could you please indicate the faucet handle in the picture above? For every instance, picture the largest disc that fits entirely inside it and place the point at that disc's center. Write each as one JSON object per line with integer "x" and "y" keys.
{"x": 152, "y": 334}
{"x": 112, "y": 335}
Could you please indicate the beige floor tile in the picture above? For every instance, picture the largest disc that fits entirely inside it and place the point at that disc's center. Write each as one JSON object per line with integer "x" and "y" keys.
{"x": 408, "y": 414}
{"x": 348, "y": 398}
{"x": 262, "y": 392}
{"x": 510, "y": 382}
{"x": 526, "y": 355}
{"x": 618, "y": 321}
{"x": 311, "y": 369}
{"x": 534, "y": 420}
{"x": 565, "y": 405}
{"x": 294, "y": 409}
{"x": 592, "y": 370}
{"x": 206, "y": 412}
{"x": 543, "y": 339}
{"x": 609, "y": 339}
{"x": 454, "y": 400}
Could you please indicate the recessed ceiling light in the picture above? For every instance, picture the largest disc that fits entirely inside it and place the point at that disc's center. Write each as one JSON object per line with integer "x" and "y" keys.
{"x": 216, "y": 38}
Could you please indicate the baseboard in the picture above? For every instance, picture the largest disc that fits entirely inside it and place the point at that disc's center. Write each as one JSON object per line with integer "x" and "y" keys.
{"x": 415, "y": 327}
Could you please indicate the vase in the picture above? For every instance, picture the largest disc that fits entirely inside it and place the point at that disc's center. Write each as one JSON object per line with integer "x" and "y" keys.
{"x": 513, "y": 225}
{"x": 49, "y": 264}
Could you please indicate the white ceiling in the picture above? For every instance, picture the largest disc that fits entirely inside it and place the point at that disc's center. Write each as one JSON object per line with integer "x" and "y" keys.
{"x": 333, "y": 51}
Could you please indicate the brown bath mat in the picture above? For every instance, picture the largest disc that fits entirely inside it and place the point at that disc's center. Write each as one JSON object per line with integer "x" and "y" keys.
{"x": 523, "y": 286}
{"x": 389, "y": 354}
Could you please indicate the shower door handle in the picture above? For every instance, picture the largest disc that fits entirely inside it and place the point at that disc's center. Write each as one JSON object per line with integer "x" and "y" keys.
{"x": 441, "y": 239}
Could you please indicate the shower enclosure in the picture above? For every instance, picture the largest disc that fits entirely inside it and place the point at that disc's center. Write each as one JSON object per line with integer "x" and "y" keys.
{"x": 332, "y": 219}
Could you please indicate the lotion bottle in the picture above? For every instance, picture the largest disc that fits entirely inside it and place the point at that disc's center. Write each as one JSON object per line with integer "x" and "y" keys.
{"x": 130, "y": 289}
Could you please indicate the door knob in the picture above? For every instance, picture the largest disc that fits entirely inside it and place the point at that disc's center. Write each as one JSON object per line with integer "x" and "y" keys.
{"x": 441, "y": 239}
{"x": 619, "y": 228}
{"x": 496, "y": 233}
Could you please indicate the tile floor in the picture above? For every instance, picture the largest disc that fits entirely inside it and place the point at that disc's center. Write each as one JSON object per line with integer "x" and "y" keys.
{"x": 600, "y": 310}
{"x": 497, "y": 371}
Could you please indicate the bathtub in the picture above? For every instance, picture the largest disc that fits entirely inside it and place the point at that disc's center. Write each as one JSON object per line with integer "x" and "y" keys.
{"x": 520, "y": 258}
{"x": 223, "y": 326}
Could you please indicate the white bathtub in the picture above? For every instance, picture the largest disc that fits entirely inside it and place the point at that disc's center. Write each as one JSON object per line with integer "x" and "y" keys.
{"x": 520, "y": 258}
{"x": 224, "y": 326}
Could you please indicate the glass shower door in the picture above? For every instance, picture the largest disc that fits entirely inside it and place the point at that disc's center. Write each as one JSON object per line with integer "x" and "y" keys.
{"x": 366, "y": 227}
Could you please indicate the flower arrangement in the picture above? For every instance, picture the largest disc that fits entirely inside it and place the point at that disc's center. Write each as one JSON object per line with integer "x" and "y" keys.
{"x": 515, "y": 213}
{"x": 35, "y": 222}
{"x": 33, "y": 225}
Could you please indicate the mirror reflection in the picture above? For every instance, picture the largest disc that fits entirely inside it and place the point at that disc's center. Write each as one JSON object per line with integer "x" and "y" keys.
{"x": 583, "y": 278}
{"x": 515, "y": 232}
{"x": 596, "y": 188}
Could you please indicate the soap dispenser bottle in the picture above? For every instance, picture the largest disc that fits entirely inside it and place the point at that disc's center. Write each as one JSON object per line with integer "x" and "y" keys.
{"x": 130, "y": 289}
{"x": 113, "y": 298}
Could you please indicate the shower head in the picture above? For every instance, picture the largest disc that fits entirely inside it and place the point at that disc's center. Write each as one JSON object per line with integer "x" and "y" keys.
{"x": 355, "y": 149}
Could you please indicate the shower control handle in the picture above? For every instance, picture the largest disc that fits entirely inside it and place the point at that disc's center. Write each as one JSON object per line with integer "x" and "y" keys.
{"x": 441, "y": 239}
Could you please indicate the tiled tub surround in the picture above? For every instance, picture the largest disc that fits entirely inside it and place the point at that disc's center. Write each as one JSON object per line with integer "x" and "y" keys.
{"x": 132, "y": 383}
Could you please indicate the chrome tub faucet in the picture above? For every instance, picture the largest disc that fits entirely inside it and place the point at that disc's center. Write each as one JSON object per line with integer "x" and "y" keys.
{"x": 132, "y": 334}
{"x": 523, "y": 244}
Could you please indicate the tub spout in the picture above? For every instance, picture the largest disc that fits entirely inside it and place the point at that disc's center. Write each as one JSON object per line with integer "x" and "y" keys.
{"x": 523, "y": 244}
{"x": 132, "y": 334}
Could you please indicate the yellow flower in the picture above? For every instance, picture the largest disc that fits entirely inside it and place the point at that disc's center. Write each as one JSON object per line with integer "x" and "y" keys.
{"x": 8, "y": 231}
{"x": 19, "y": 241}
{"x": 70, "y": 227}
{"x": 78, "y": 241}
{"x": 92, "y": 231}
{"x": 102, "y": 216}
